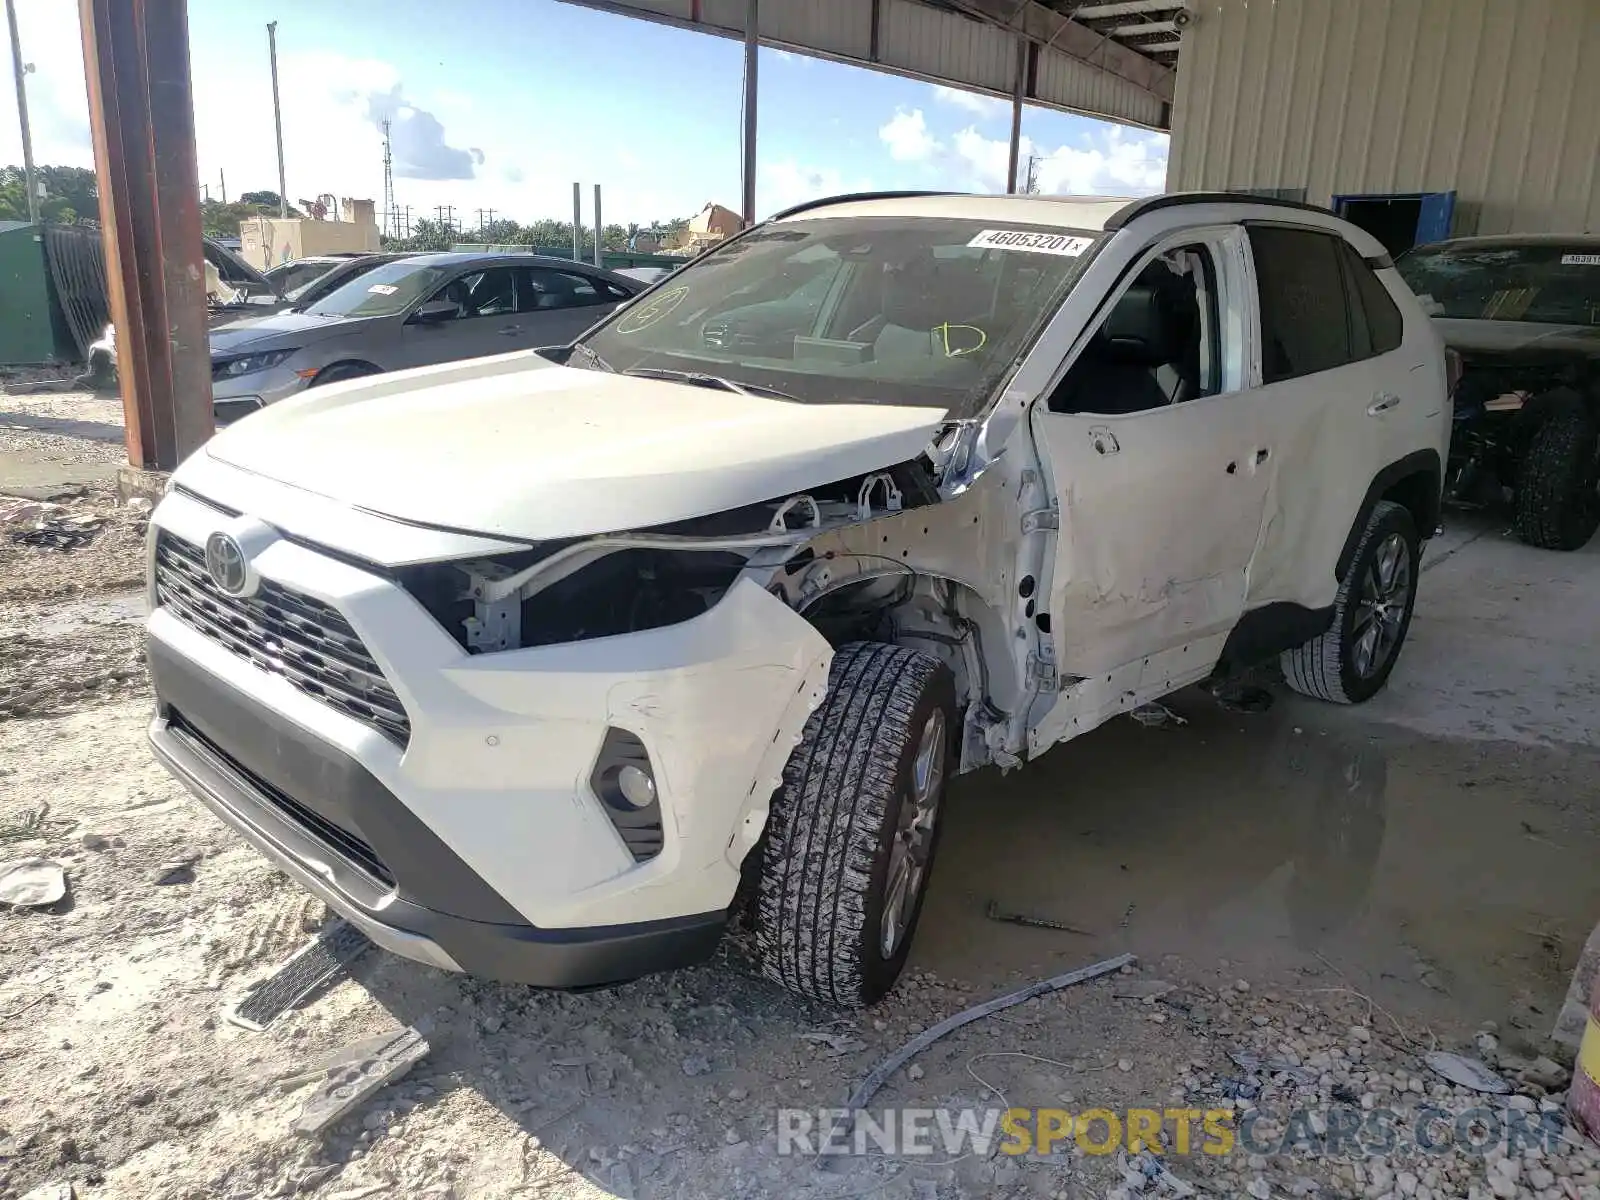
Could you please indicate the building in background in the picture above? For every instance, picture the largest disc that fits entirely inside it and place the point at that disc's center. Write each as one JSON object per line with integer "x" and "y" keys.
{"x": 267, "y": 241}
{"x": 1417, "y": 120}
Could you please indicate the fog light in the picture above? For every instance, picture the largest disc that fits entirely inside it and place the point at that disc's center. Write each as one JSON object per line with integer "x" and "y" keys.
{"x": 636, "y": 786}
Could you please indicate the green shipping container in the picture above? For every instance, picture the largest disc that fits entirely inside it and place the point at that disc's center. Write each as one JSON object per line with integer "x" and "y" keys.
{"x": 32, "y": 328}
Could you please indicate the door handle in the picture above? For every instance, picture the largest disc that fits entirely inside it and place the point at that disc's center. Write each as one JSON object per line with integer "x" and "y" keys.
{"x": 1382, "y": 403}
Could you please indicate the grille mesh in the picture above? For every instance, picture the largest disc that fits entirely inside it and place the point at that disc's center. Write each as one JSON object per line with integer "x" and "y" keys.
{"x": 282, "y": 631}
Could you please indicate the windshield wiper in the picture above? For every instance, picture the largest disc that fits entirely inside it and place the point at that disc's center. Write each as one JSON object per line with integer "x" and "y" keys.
{"x": 594, "y": 358}
{"x": 702, "y": 379}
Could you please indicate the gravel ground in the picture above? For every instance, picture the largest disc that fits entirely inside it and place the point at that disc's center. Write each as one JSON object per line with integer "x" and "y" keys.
{"x": 120, "y": 1076}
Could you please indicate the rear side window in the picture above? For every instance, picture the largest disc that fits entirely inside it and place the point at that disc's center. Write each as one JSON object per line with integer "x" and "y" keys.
{"x": 1375, "y": 308}
{"x": 1305, "y": 319}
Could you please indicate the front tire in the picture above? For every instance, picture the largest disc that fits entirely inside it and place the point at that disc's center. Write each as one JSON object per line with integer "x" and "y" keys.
{"x": 1558, "y": 501}
{"x": 1351, "y": 661}
{"x": 854, "y": 827}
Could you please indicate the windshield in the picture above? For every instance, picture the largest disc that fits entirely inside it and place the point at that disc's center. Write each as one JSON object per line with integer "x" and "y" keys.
{"x": 854, "y": 310}
{"x": 385, "y": 291}
{"x": 333, "y": 278}
{"x": 1541, "y": 283}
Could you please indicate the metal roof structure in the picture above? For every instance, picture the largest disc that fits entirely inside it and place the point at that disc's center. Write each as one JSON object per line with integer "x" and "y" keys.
{"x": 1116, "y": 61}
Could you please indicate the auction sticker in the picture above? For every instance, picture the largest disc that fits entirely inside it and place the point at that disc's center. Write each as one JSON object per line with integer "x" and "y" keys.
{"x": 1580, "y": 260}
{"x": 1037, "y": 243}
{"x": 383, "y": 289}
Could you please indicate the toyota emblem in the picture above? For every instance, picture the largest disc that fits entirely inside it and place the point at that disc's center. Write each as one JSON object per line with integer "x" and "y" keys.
{"x": 225, "y": 563}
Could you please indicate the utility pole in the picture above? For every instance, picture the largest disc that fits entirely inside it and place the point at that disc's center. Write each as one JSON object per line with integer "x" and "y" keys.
{"x": 277, "y": 118}
{"x": 446, "y": 214}
{"x": 22, "y": 115}
{"x": 1031, "y": 187}
{"x": 222, "y": 184}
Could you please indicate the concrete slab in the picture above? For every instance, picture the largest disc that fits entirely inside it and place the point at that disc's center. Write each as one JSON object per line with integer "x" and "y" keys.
{"x": 26, "y": 473}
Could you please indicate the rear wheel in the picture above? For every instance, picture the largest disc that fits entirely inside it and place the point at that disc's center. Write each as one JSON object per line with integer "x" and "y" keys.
{"x": 1351, "y": 661}
{"x": 1558, "y": 493}
{"x": 854, "y": 826}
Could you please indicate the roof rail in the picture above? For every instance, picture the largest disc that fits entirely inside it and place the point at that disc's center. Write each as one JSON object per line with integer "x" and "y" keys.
{"x": 1175, "y": 199}
{"x": 849, "y": 197}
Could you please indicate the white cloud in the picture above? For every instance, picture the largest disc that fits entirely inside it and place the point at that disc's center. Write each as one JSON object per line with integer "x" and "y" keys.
{"x": 787, "y": 183}
{"x": 907, "y": 136}
{"x": 973, "y": 102}
{"x": 1113, "y": 161}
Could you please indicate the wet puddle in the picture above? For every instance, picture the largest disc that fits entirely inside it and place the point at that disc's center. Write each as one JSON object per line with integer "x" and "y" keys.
{"x": 1454, "y": 878}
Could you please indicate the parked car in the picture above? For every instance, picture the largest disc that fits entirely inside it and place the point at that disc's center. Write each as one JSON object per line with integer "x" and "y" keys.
{"x": 290, "y": 276}
{"x": 233, "y": 289}
{"x": 409, "y": 312}
{"x": 646, "y": 275}
{"x": 1523, "y": 314}
{"x": 539, "y": 666}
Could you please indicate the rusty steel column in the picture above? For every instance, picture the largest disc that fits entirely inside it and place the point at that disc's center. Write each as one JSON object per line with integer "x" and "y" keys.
{"x": 141, "y": 113}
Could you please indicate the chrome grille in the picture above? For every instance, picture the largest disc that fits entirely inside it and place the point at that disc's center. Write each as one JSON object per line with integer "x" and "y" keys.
{"x": 282, "y": 631}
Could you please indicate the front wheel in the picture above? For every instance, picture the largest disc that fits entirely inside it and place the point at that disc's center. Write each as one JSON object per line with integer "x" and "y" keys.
{"x": 1351, "y": 661}
{"x": 854, "y": 826}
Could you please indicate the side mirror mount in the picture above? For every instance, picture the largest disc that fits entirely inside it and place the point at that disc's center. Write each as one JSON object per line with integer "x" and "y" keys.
{"x": 433, "y": 313}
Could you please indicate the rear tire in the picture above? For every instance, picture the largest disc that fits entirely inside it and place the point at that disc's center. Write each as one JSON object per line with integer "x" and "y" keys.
{"x": 1351, "y": 661}
{"x": 854, "y": 827}
{"x": 1558, "y": 493}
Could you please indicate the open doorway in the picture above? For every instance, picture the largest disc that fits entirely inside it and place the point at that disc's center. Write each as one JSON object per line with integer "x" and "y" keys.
{"x": 1400, "y": 221}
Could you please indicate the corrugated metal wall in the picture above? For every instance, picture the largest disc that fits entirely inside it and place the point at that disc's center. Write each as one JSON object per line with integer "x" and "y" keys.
{"x": 1496, "y": 99}
{"x": 916, "y": 39}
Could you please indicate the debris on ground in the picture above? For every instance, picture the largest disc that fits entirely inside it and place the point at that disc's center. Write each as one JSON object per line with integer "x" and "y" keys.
{"x": 60, "y": 531}
{"x": 995, "y": 913}
{"x": 1466, "y": 1072}
{"x": 32, "y": 882}
{"x": 1156, "y": 715}
{"x": 880, "y": 1074}
{"x": 176, "y": 871}
{"x": 349, "y": 1083}
{"x": 837, "y": 1043}
{"x": 1235, "y": 697}
{"x": 315, "y": 965}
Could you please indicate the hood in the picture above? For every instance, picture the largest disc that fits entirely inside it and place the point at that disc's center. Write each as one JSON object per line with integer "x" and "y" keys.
{"x": 1517, "y": 337}
{"x": 286, "y": 328}
{"x": 515, "y": 446}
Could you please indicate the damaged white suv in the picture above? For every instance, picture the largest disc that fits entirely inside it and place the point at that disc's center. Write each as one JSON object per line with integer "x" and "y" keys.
{"x": 539, "y": 666}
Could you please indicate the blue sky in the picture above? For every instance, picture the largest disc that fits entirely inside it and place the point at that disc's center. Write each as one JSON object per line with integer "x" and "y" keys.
{"x": 502, "y": 104}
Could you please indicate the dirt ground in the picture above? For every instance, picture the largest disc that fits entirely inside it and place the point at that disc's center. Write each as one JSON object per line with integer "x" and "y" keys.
{"x": 1336, "y": 892}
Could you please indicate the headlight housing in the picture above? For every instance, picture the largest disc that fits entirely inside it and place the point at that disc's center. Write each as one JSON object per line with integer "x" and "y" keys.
{"x": 247, "y": 364}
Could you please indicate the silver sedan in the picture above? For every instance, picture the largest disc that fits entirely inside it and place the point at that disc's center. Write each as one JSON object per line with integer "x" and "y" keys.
{"x": 425, "y": 309}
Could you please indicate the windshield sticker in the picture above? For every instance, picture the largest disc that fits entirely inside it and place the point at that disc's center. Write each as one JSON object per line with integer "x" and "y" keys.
{"x": 1037, "y": 243}
{"x": 383, "y": 289}
{"x": 1580, "y": 260}
{"x": 646, "y": 315}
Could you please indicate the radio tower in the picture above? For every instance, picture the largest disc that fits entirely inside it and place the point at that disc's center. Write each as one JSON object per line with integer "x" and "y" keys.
{"x": 391, "y": 214}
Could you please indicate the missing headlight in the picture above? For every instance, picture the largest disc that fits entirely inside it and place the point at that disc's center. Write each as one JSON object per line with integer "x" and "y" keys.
{"x": 628, "y": 591}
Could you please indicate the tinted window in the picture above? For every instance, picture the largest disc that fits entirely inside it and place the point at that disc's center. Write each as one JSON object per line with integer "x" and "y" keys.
{"x": 1541, "y": 282}
{"x": 479, "y": 293}
{"x": 1380, "y": 327}
{"x": 1305, "y": 322}
{"x": 542, "y": 289}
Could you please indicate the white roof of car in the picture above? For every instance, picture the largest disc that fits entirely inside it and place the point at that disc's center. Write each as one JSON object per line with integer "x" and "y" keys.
{"x": 1067, "y": 212}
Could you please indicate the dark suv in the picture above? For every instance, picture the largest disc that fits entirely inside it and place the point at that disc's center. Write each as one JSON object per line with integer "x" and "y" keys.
{"x": 1523, "y": 314}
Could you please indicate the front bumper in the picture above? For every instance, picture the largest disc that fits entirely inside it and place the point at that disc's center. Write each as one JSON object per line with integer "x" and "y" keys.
{"x": 273, "y": 760}
{"x": 474, "y": 841}
{"x": 232, "y": 399}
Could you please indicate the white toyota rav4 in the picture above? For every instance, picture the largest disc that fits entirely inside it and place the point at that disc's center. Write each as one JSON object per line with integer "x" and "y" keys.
{"x": 540, "y": 666}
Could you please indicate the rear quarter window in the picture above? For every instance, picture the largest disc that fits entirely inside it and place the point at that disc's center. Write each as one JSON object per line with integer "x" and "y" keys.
{"x": 1305, "y": 316}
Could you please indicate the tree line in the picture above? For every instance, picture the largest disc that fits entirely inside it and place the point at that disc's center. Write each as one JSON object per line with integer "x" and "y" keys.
{"x": 71, "y": 195}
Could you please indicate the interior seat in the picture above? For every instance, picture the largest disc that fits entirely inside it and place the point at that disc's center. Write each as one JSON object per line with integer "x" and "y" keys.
{"x": 1131, "y": 363}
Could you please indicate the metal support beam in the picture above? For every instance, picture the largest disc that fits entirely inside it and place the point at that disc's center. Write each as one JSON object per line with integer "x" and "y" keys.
{"x": 1051, "y": 28}
{"x": 28, "y": 180}
{"x": 577, "y": 222}
{"x": 141, "y": 114}
{"x": 1124, "y": 8}
{"x": 752, "y": 54}
{"x": 1018, "y": 91}
{"x": 1145, "y": 27}
{"x": 599, "y": 225}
